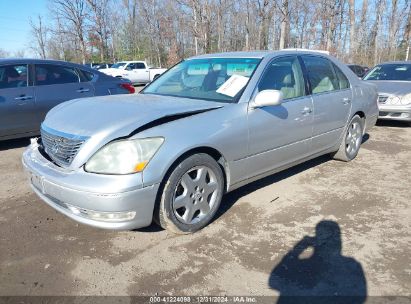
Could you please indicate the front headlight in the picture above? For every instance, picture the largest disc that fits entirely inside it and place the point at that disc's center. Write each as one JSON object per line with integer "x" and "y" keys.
{"x": 124, "y": 156}
{"x": 406, "y": 99}
{"x": 393, "y": 100}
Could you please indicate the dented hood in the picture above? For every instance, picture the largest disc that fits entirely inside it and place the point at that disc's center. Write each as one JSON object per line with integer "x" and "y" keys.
{"x": 100, "y": 120}
{"x": 119, "y": 115}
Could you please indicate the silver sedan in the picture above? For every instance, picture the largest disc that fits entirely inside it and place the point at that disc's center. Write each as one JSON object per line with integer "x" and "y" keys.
{"x": 393, "y": 81}
{"x": 207, "y": 126}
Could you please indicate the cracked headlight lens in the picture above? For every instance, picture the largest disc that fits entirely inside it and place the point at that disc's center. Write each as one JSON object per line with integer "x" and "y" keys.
{"x": 124, "y": 156}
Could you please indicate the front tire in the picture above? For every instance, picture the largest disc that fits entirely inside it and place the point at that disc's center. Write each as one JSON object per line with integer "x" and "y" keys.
{"x": 191, "y": 195}
{"x": 351, "y": 141}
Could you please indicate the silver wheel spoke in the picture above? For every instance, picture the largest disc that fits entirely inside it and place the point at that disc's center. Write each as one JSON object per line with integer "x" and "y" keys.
{"x": 188, "y": 214}
{"x": 182, "y": 201}
{"x": 210, "y": 188}
{"x": 201, "y": 177}
{"x": 188, "y": 183}
{"x": 204, "y": 207}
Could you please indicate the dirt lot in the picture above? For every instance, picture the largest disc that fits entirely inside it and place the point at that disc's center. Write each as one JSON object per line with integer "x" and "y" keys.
{"x": 248, "y": 250}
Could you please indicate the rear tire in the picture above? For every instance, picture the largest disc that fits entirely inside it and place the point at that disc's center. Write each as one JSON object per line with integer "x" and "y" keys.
{"x": 351, "y": 141}
{"x": 190, "y": 195}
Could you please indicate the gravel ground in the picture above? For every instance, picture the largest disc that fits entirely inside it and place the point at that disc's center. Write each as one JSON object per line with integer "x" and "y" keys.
{"x": 258, "y": 244}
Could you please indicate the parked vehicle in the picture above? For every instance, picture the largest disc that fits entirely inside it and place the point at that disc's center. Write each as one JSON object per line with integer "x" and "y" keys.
{"x": 101, "y": 66}
{"x": 138, "y": 72}
{"x": 92, "y": 65}
{"x": 393, "y": 80}
{"x": 206, "y": 127}
{"x": 358, "y": 70}
{"x": 29, "y": 88}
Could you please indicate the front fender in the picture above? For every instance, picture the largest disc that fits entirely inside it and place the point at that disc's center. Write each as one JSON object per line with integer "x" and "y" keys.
{"x": 224, "y": 130}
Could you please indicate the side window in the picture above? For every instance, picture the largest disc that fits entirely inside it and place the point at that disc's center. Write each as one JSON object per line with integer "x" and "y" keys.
{"x": 320, "y": 74}
{"x": 13, "y": 76}
{"x": 342, "y": 79}
{"x": 47, "y": 74}
{"x": 87, "y": 76}
{"x": 131, "y": 66}
{"x": 285, "y": 75}
{"x": 140, "y": 66}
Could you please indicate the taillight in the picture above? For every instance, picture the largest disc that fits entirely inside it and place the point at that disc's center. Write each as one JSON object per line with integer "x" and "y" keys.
{"x": 129, "y": 87}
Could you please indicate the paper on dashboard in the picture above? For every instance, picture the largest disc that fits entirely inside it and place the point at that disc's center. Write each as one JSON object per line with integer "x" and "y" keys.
{"x": 233, "y": 85}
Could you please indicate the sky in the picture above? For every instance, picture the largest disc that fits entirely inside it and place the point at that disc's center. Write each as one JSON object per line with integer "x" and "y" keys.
{"x": 14, "y": 23}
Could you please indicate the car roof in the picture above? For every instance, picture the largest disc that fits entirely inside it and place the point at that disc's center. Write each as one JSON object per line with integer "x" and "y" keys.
{"x": 41, "y": 61}
{"x": 395, "y": 62}
{"x": 258, "y": 54}
{"x": 30, "y": 60}
{"x": 129, "y": 61}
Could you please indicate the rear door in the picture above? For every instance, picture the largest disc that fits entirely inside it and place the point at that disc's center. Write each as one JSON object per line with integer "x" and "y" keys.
{"x": 17, "y": 103}
{"x": 332, "y": 95}
{"x": 55, "y": 84}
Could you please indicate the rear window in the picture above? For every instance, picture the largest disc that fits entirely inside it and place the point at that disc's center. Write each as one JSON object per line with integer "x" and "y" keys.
{"x": 342, "y": 79}
{"x": 320, "y": 74}
{"x": 48, "y": 74}
{"x": 87, "y": 75}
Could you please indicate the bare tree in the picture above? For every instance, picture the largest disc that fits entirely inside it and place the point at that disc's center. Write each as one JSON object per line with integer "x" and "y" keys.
{"x": 353, "y": 46}
{"x": 40, "y": 34}
{"x": 99, "y": 24}
{"x": 165, "y": 31}
{"x": 285, "y": 23}
{"x": 74, "y": 12}
{"x": 375, "y": 29}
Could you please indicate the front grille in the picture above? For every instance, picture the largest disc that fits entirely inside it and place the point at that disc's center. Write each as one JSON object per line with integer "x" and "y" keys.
{"x": 61, "y": 148}
{"x": 382, "y": 99}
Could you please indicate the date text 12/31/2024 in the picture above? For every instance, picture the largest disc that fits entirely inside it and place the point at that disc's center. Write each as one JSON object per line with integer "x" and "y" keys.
{"x": 203, "y": 299}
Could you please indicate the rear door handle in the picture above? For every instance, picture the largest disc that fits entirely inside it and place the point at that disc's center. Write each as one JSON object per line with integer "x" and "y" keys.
{"x": 24, "y": 97}
{"x": 306, "y": 111}
{"x": 346, "y": 100}
{"x": 82, "y": 90}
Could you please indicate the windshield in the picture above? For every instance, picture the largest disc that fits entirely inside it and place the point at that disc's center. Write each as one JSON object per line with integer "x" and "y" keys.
{"x": 215, "y": 79}
{"x": 118, "y": 65}
{"x": 390, "y": 72}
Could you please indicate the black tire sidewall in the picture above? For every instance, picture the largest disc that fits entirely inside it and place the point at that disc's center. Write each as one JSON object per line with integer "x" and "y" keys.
{"x": 174, "y": 179}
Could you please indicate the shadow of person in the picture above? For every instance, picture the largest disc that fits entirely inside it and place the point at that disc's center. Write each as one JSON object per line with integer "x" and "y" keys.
{"x": 322, "y": 276}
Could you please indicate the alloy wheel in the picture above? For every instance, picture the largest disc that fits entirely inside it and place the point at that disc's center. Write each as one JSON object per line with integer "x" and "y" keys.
{"x": 353, "y": 138}
{"x": 195, "y": 195}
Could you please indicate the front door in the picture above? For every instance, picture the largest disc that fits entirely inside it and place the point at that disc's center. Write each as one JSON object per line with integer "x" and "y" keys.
{"x": 55, "y": 84}
{"x": 17, "y": 101}
{"x": 279, "y": 135}
{"x": 141, "y": 73}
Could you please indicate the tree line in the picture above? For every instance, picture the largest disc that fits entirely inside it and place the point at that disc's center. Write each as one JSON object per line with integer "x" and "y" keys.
{"x": 165, "y": 31}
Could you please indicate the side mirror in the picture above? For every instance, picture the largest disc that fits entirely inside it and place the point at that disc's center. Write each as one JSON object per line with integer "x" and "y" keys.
{"x": 268, "y": 98}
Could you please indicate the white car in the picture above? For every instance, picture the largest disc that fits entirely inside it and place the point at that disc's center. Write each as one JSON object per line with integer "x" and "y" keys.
{"x": 138, "y": 72}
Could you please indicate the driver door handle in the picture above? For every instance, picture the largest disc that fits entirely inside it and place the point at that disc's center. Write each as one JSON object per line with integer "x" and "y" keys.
{"x": 306, "y": 111}
{"x": 82, "y": 90}
{"x": 23, "y": 97}
{"x": 346, "y": 100}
